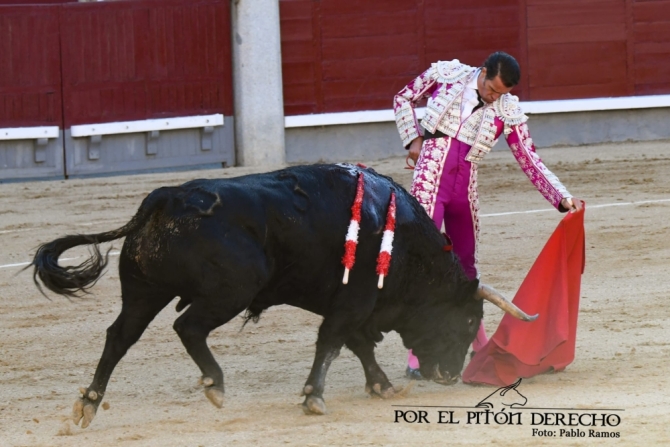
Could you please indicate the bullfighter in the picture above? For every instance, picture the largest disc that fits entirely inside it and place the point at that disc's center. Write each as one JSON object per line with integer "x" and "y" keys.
{"x": 468, "y": 109}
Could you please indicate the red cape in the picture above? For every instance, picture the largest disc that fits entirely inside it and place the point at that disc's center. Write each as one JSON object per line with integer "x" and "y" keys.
{"x": 551, "y": 289}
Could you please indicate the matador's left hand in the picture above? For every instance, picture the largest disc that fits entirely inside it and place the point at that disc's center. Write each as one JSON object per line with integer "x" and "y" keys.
{"x": 572, "y": 204}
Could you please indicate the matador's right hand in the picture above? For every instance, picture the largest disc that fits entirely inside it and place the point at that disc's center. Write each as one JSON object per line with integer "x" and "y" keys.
{"x": 415, "y": 148}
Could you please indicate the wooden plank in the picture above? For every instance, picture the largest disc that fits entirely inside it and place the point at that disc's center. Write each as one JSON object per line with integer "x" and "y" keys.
{"x": 652, "y": 68}
{"x": 299, "y": 29}
{"x": 298, "y": 72}
{"x": 30, "y": 66}
{"x": 652, "y": 32}
{"x": 462, "y": 41}
{"x": 657, "y": 11}
{"x": 406, "y": 66}
{"x": 135, "y": 68}
{"x": 559, "y": 14}
{"x": 446, "y": 7}
{"x": 574, "y": 64}
{"x": 630, "y": 49}
{"x": 659, "y": 48}
{"x": 294, "y": 9}
{"x": 299, "y": 109}
{"x": 371, "y": 87}
{"x": 474, "y": 58}
{"x": 354, "y": 104}
{"x": 499, "y": 16}
{"x": 576, "y": 34}
{"x": 420, "y": 27}
{"x": 662, "y": 88}
{"x": 572, "y": 3}
{"x": 298, "y": 51}
{"x": 300, "y": 93}
{"x": 579, "y": 91}
{"x": 381, "y": 23}
{"x": 317, "y": 17}
{"x": 330, "y": 8}
{"x": 363, "y": 47}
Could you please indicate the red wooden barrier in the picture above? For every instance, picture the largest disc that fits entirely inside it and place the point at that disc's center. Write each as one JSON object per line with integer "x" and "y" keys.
{"x": 346, "y": 56}
{"x": 30, "y": 78}
{"x": 577, "y": 49}
{"x": 651, "y": 49}
{"x": 352, "y": 55}
{"x": 146, "y": 59}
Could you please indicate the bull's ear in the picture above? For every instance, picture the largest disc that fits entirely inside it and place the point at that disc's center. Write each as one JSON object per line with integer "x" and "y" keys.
{"x": 470, "y": 289}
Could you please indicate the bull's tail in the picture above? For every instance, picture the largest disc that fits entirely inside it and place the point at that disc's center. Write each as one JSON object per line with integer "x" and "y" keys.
{"x": 72, "y": 280}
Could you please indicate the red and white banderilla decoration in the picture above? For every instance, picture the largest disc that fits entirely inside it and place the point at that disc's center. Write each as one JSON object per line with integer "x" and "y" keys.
{"x": 384, "y": 258}
{"x": 351, "y": 241}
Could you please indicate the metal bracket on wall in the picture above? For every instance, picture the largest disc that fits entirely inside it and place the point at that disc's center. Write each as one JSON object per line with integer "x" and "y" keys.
{"x": 206, "y": 143}
{"x": 41, "y": 150}
{"x": 94, "y": 147}
{"x": 152, "y": 142}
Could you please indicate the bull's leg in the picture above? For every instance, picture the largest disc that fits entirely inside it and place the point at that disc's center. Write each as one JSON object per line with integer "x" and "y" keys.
{"x": 316, "y": 382}
{"x": 138, "y": 309}
{"x": 334, "y": 331}
{"x": 193, "y": 327}
{"x": 376, "y": 381}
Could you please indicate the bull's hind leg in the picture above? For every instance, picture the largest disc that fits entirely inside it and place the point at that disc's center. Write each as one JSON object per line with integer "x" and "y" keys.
{"x": 376, "y": 381}
{"x": 193, "y": 327}
{"x": 140, "y": 306}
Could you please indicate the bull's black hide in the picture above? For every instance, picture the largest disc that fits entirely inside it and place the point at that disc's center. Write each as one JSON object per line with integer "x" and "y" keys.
{"x": 248, "y": 243}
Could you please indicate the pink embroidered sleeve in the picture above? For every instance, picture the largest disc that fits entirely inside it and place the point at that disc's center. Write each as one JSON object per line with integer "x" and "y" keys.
{"x": 544, "y": 180}
{"x": 405, "y": 101}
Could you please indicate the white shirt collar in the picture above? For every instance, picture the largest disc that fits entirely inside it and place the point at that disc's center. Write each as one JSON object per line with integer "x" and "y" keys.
{"x": 473, "y": 82}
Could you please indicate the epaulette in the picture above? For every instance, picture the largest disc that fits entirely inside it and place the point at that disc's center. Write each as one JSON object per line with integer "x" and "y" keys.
{"x": 449, "y": 72}
{"x": 509, "y": 111}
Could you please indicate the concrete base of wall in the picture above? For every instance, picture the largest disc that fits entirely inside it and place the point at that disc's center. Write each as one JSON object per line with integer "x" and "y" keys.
{"x": 28, "y": 159}
{"x": 374, "y": 141}
{"x": 146, "y": 151}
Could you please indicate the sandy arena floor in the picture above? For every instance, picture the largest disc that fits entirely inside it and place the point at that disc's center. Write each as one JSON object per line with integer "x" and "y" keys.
{"x": 48, "y": 349}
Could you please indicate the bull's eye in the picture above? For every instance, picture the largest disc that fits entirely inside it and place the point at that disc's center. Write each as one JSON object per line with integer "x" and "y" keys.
{"x": 471, "y": 321}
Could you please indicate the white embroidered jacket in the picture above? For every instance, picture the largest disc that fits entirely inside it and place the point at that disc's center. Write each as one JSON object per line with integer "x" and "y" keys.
{"x": 444, "y": 83}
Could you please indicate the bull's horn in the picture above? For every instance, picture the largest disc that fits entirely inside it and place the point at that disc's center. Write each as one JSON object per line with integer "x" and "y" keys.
{"x": 490, "y": 294}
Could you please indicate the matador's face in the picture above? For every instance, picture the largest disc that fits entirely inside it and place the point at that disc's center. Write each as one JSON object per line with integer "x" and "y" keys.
{"x": 491, "y": 89}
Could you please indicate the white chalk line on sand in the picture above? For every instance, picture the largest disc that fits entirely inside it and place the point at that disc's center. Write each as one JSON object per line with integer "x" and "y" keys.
{"x": 604, "y": 205}
{"x": 83, "y": 224}
{"x": 23, "y": 264}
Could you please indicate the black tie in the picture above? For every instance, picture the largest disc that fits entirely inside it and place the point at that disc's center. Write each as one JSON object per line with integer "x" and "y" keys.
{"x": 480, "y": 103}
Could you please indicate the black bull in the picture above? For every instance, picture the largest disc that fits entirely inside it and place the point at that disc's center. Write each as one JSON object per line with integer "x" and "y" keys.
{"x": 249, "y": 243}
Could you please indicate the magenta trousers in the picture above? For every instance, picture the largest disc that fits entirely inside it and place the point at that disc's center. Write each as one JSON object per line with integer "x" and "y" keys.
{"x": 457, "y": 207}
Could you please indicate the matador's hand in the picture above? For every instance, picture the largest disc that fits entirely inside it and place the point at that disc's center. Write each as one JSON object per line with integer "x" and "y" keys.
{"x": 415, "y": 148}
{"x": 572, "y": 204}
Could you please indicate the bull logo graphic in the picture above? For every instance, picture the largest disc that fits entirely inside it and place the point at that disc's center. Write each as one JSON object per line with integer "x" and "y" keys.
{"x": 507, "y": 396}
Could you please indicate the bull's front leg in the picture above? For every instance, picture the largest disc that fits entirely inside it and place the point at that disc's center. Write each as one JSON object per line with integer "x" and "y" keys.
{"x": 354, "y": 307}
{"x": 316, "y": 382}
{"x": 376, "y": 381}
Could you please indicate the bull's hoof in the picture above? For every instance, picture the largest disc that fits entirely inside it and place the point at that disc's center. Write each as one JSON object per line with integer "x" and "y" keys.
{"x": 85, "y": 407}
{"x": 78, "y": 411}
{"x": 83, "y": 411}
{"x": 377, "y": 390}
{"x": 89, "y": 414}
{"x": 314, "y": 405}
{"x": 215, "y": 396}
{"x": 447, "y": 381}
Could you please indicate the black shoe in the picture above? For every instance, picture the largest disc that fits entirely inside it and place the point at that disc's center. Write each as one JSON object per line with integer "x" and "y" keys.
{"x": 413, "y": 374}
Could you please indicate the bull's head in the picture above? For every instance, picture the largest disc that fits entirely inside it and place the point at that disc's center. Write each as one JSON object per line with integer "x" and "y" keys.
{"x": 451, "y": 328}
